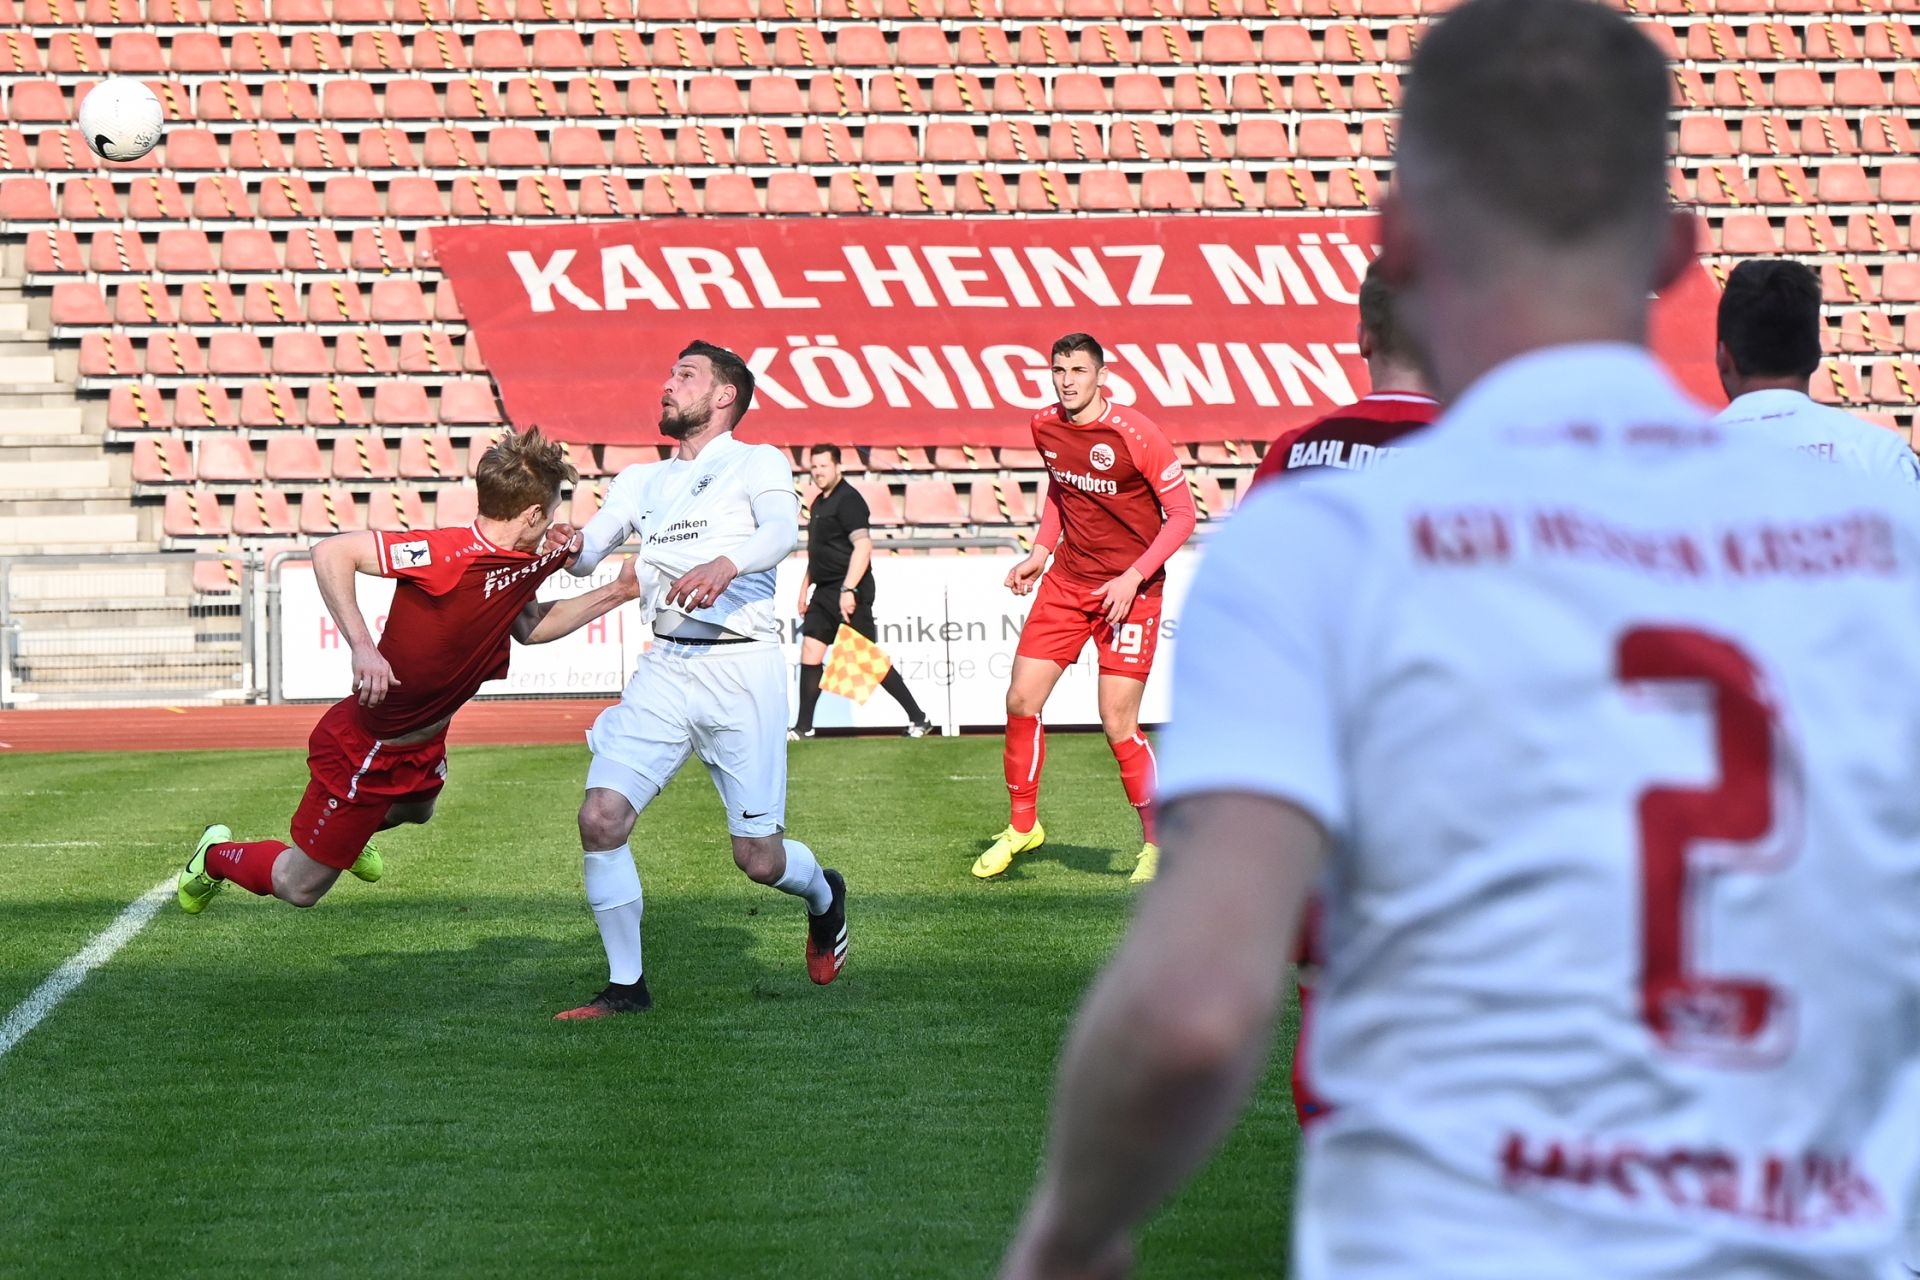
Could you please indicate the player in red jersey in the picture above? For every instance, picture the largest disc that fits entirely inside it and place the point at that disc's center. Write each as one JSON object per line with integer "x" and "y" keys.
{"x": 1358, "y": 435}
{"x": 378, "y": 757}
{"x": 1117, "y": 507}
{"x": 1352, "y": 438}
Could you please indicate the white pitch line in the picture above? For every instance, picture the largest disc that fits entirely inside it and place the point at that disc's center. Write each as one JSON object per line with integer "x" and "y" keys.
{"x": 32, "y": 1011}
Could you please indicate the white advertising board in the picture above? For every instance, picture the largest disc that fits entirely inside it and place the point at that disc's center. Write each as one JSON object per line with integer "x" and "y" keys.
{"x": 947, "y": 621}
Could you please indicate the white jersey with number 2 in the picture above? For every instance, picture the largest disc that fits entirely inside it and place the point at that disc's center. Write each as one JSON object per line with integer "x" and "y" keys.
{"x": 1613, "y": 718}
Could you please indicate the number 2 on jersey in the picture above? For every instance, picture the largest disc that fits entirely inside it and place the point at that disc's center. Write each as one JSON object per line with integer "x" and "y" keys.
{"x": 1687, "y": 832}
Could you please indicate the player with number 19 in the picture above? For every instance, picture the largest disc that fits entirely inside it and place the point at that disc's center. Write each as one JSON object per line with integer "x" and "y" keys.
{"x": 1117, "y": 508}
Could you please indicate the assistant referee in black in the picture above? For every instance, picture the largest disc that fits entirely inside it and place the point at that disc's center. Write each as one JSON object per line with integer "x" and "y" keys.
{"x": 838, "y": 587}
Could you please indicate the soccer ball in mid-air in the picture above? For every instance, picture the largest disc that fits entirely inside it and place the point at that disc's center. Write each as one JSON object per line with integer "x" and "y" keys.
{"x": 121, "y": 119}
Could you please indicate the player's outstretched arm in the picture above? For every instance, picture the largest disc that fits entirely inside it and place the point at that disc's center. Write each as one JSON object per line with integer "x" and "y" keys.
{"x": 1173, "y": 1037}
{"x": 1022, "y": 577}
{"x": 611, "y": 525}
{"x": 335, "y": 562}
{"x": 541, "y": 621}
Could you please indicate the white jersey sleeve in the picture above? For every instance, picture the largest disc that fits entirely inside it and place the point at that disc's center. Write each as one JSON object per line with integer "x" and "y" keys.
{"x": 617, "y": 520}
{"x": 1256, "y": 675}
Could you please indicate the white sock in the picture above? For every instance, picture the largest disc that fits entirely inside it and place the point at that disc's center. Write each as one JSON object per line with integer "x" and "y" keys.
{"x": 613, "y": 891}
{"x": 804, "y": 879}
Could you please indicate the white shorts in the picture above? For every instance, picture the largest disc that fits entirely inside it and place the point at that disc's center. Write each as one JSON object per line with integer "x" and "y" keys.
{"x": 726, "y": 703}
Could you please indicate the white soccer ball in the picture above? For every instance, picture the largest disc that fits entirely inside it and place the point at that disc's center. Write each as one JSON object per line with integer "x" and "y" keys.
{"x": 122, "y": 119}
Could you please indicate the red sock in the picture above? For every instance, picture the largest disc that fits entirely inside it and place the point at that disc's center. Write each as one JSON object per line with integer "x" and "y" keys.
{"x": 248, "y": 865}
{"x": 1026, "y": 755}
{"x": 1136, "y": 775}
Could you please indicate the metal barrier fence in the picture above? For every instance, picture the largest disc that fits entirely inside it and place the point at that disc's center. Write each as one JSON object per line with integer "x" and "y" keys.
{"x": 118, "y": 630}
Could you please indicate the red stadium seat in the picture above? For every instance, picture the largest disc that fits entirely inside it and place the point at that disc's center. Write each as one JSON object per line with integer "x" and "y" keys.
{"x": 143, "y": 303}
{"x": 328, "y": 511}
{"x": 1831, "y": 42}
{"x": 981, "y": 191}
{"x": 882, "y": 509}
{"x": 402, "y": 404}
{"x": 1231, "y": 189}
{"x": 1874, "y": 232}
{"x": 119, "y": 252}
{"x": 424, "y": 351}
{"x": 998, "y": 502}
{"x": 301, "y": 354}
{"x": 271, "y": 302}
{"x": 1022, "y": 93}
{"x": 107, "y": 355}
{"x": 174, "y": 353}
{"x": 1167, "y": 189}
{"x": 54, "y": 252}
{"x": 269, "y": 405}
{"x": 195, "y": 513}
{"x": 317, "y": 51}
{"x": 762, "y": 145}
{"x": 542, "y": 195}
{"x": 1843, "y": 182}
{"x": 289, "y": 100}
{"x": 138, "y": 407}
{"x": 1078, "y": 141}
{"x": 1748, "y": 233}
{"x": 358, "y": 352}
{"x": 362, "y": 457}
{"x": 793, "y": 193}
{"x": 295, "y": 458}
{"x": 88, "y": 200}
{"x": 256, "y": 51}
{"x": 162, "y": 460}
{"x": 336, "y": 404}
{"x": 397, "y": 509}
{"x": 729, "y": 194}
{"x": 918, "y": 192}
{"x": 321, "y": 149}
{"x": 237, "y": 354}
{"x": 78, "y": 303}
{"x": 1894, "y": 382}
{"x": 429, "y": 456}
{"x": 468, "y": 403}
{"x": 1045, "y": 191}
{"x": 932, "y": 503}
{"x": 453, "y": 508}
{"x": 225, "y": 459}
{"x": 208, "y": 302}
{"x": 669, "y": 193}
{"x": 194, "y": 53}
{"x": 1859, "y": 87}
{"x": 263, "y": 513}
{"x": 1781, "y": 183}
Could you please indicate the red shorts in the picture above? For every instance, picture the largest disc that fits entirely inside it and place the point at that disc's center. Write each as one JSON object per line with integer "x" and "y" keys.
{"x": 354, "y": 781}
{"x": 1066, "y": 614}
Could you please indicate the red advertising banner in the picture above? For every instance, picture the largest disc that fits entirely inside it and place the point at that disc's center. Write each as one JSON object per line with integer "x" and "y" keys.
{"x": 897, "y": 331}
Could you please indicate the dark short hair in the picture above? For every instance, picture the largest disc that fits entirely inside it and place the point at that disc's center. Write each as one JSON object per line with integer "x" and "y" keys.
{"x": 520, "y": 471}
{"x": 728, "y": 368}
{"x": 1379, "y": 316}
{"x": 1549, "y": 115}
{"x": 1770, "y": 318}
{"x": 831, "y": 450}
{"x": 1078, "y": 342}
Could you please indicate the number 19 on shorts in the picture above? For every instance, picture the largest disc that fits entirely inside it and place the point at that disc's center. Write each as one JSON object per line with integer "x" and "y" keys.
{"x": 1129, "y": 639}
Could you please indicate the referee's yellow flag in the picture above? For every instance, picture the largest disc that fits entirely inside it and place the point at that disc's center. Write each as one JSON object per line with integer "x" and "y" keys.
{"x": 856, "y": 667}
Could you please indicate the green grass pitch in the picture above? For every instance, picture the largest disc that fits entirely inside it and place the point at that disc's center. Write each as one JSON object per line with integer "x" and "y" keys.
{"x": 375, "y": 1086}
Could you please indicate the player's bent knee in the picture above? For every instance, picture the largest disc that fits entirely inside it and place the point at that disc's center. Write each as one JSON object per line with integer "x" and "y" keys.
{"x": 409, "y": 813}
{"x": 762, "y": 858}
{"x": 606, "y": 820}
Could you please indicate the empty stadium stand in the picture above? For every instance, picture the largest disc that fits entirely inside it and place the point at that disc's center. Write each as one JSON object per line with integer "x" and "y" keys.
{"x": 243, "y": 340}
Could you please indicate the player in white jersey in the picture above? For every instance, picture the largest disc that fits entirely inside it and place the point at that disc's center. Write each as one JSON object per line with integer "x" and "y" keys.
{"x": 1769, "y": 350}
{"x": 1596, "y": 733}
{"x": 713, "y": 522}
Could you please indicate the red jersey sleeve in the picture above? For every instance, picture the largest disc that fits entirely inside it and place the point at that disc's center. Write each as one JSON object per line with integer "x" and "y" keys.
{"x": 432, "y": 559}
{"x": 1155, "y": 459}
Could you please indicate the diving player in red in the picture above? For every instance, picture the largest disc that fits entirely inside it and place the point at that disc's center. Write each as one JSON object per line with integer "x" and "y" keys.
{"x": 378, "y": 758}
{"x": 1357, "y": 436}
{"x": 1117, "y": 508}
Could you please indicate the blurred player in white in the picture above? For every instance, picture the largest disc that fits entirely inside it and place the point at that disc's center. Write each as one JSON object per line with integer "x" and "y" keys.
{"x": 713, "y": 522}
{"x": 1597, "y": 731}
{"x": 1768, "y": 352}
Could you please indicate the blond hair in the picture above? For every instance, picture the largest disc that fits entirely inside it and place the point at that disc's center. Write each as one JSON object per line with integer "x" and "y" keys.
{"x": 521, "y": 470}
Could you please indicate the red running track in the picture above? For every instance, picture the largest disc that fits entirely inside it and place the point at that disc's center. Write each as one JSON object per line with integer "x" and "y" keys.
{"x": 493, "y": 722}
